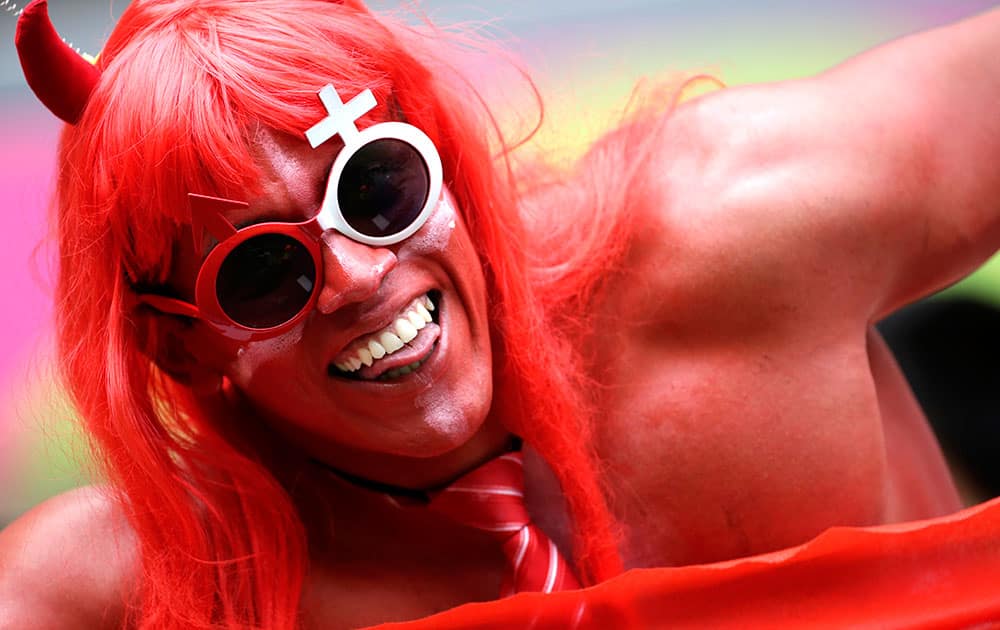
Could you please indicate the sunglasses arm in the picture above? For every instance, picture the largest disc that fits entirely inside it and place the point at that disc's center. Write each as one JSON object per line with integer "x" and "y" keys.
{"x": 169, "y": 305}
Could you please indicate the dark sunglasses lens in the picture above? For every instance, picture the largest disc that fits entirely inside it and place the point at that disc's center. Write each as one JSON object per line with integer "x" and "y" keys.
{"x": 265, "y": 281}
{"x": 383, "y": 187}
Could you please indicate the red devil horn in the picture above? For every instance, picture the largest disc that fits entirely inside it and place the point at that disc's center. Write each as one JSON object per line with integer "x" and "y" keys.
{"x": 60, "y": 78}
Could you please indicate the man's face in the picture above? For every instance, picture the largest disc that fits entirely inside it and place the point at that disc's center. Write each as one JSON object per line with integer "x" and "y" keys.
{"x": 422, "y": 399}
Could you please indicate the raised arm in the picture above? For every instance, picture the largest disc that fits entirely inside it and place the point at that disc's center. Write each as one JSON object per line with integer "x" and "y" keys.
{"x": 945, "y": 84}
{"x": 874, "y": 183}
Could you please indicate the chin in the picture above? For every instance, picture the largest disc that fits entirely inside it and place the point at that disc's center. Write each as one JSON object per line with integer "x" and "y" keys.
{"x": 445, "y": 425}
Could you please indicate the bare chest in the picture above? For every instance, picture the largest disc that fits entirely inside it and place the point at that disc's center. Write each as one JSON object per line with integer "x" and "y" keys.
{"x": 381, "y": 563}
{"x": 712, "y": 452}
{"x": 723, "y": 443}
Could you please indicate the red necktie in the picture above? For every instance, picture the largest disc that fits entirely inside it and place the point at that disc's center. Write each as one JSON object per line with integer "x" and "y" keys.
{"x": 491, "y": 498}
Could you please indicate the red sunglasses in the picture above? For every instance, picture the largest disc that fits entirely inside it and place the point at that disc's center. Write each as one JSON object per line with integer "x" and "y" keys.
{"x": 261, "y": 280}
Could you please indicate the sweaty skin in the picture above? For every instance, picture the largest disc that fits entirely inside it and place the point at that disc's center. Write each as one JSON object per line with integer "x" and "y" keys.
{"x": 746, "y": 402}
{"x": 376, "y": 430}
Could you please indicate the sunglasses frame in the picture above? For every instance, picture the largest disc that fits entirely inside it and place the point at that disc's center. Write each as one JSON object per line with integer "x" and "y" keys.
{"x": 208, "y": 215}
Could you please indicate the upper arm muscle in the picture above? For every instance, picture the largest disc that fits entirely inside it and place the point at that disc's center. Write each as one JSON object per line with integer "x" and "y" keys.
{"x": 861, "y": 189}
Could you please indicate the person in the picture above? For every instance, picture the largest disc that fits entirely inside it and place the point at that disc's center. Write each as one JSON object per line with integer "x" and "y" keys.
{"x": 261, "y": 201}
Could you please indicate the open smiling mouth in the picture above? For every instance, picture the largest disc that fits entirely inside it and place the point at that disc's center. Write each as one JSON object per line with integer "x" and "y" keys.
{"x": 396, "y": 350}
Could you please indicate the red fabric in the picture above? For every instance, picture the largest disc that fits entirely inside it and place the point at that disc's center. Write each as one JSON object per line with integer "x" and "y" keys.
{"x": 61, "y": 78}
{"x": 941, "y": 573}
{"x": 491, "y": 498}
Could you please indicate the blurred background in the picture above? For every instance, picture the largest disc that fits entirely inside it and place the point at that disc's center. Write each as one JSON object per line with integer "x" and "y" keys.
{"x": 586, "y": 56}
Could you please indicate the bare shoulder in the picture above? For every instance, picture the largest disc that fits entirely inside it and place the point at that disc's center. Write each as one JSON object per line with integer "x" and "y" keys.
{"x": 715, "y": 225}
{"x": 770, "y": 197}
{"x": 69, "y": 562}
{"x": 862, "y": 179}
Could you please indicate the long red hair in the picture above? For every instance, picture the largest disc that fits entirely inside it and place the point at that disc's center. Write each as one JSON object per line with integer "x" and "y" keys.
{"x": 183, "y": 84}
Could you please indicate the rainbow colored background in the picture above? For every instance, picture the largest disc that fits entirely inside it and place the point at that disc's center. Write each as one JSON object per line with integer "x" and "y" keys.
{"x": 585, "y": 55}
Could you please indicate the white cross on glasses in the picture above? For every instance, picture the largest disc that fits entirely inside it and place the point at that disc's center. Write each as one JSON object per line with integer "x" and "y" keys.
{"x": 341, "y": 116}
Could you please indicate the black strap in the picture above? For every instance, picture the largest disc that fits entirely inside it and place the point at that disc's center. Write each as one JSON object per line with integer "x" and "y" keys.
{"x": 411, "y": 494}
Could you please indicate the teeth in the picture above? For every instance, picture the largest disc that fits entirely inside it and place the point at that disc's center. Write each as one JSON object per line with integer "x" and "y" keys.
{"x": 390, "y": 339}
{"x": 415, "y": 319}
{"x": 390, "y": 342}
{"x": 423, "y": 312}
{"x": 401, "y": 371}
{"x": 405, "y": 330}
{"x": 366, "y": 356}
{"x": 376, "y": 349}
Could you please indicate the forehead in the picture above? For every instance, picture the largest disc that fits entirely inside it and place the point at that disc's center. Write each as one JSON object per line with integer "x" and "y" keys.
{"x": 292, "y": 174}
{"x": 291, "y": 188}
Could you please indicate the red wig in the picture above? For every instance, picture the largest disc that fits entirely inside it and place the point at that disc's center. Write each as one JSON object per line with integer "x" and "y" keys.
{"x": 183, "y": 85}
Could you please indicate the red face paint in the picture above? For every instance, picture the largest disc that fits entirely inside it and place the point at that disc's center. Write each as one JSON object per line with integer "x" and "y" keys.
{"x": 304, "y": 380}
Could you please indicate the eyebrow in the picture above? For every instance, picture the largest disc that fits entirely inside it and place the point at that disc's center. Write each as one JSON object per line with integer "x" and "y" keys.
{"x": 248, "y": 217}
{"x": 265, "y": 217}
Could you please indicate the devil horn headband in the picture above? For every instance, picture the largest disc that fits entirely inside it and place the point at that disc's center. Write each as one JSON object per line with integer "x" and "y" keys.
{"x": 60, "y": 78}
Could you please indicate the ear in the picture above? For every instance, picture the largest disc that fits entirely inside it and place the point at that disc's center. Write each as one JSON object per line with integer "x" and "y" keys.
{"x": 184, "y": 349}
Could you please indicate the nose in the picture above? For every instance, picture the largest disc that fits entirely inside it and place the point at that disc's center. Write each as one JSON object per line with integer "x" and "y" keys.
{"x": 352, "y": 271}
